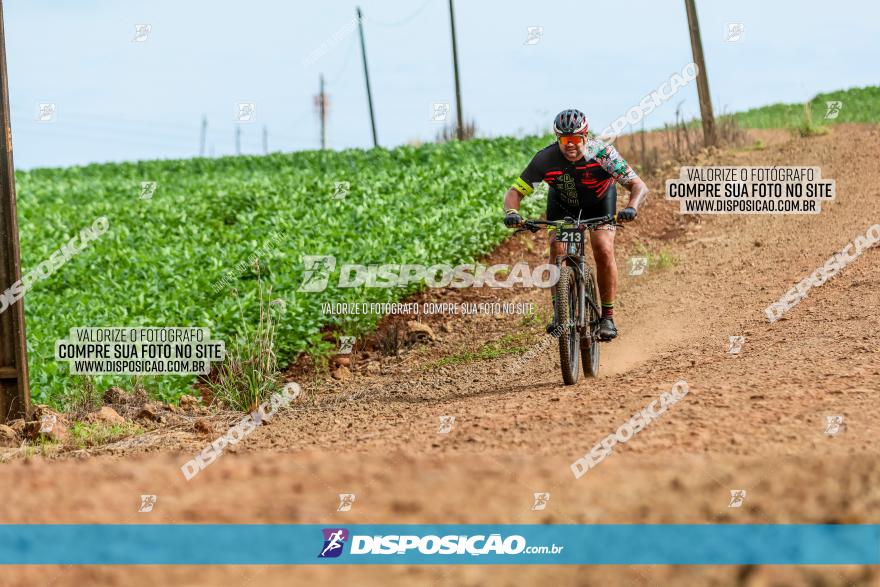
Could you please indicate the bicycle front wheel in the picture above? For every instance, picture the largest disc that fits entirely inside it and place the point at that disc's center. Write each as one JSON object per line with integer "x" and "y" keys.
{"x": 566, "y": 324}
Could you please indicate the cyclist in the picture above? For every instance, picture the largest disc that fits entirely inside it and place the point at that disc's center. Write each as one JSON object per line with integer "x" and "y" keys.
{"x": 582, "y": 173}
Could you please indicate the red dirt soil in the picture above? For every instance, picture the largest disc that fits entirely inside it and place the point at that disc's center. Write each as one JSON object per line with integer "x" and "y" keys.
{"x": 753, "y": 421}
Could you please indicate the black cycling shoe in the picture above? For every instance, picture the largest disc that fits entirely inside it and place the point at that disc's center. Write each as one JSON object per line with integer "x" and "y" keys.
{"x": 607, "y": 329}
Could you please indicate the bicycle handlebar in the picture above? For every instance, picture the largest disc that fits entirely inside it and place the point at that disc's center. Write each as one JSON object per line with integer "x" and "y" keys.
{"x": 590, "y": 223}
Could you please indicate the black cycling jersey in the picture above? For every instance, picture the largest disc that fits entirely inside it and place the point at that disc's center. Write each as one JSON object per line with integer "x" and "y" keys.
{"x": 586, "y": 186}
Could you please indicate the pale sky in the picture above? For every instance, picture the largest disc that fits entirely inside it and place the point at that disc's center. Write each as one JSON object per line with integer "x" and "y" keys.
{"x": 121, "y": 100}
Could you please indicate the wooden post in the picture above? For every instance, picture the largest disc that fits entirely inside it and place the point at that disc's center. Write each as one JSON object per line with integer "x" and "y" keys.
{"x": 367, "y": 76}
{"x": 460, "y": 126}
{"x": 204, "y": 136}
{"x": 709, "y": 137}
{"x": 14, "y": 390}
{"x": 323, "y": 106}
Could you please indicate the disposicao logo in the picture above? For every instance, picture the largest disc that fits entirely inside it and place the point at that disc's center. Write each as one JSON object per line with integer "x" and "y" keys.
{"x": 334, "y": 540}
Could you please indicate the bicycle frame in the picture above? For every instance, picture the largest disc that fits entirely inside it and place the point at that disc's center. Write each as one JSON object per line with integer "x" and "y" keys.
{"x": 575, "y": 257}
{"x": 577, "y": 329}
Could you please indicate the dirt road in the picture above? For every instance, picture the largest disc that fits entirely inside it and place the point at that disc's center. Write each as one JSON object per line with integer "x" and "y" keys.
{"x": 754, "y": 421}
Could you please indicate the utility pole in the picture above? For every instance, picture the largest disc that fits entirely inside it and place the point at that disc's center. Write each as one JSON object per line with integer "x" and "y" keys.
{"x": 14, "y": 390}
{"x": 237, "y": 140}
{"x": 322, "y": 112}
{"x": 460, "y": 129}
{"x": 321, "y": 108}
{"x": 367, "y": 76}
{"x": 204, "y": 136}
{"x": 702, "y": 77}
{"x": 265, "y": 140}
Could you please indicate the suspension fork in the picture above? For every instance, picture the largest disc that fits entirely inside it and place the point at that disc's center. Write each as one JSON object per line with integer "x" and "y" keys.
{"x": 582, "y": 291}
{"x": 577, "y": 264}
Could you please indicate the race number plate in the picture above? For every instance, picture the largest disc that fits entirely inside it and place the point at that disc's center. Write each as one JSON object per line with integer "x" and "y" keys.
{"x": 570, "y": 235}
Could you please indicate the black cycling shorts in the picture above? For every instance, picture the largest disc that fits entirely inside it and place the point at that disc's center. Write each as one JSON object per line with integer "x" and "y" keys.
{"x": 556, "y": 210}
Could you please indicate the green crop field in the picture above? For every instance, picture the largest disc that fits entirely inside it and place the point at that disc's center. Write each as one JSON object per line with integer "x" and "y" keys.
{"x": 857, "y": 105}
{"x": 180, "y": 258}
{"x": 159, "y": 261}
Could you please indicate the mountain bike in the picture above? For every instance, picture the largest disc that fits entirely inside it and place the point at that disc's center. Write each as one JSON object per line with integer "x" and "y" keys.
{"x": 576, "y": 314}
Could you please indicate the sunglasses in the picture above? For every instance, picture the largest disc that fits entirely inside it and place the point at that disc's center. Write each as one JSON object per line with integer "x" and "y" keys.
{"x": 576, "y": 140}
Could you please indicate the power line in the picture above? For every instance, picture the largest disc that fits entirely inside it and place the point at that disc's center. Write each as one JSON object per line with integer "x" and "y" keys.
{"x": 332, "y": 80}
{"x": 399, "y": 22}
{"x": 181, "y": 132}
{"x": 66, "y": 114}
{"x": 101, "y": 127}
{"x": 178, "y": 146}
{"x": 90, "y": 130}
{"x": 98, "y": 135}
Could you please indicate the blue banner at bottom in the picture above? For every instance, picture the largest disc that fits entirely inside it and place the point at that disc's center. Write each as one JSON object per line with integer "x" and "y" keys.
{"x": 598, "y": 544}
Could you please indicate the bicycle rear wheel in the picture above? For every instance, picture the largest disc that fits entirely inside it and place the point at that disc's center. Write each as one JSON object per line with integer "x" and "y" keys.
{"x": 566, "y": 324}
{"x": 590, "y": 341}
